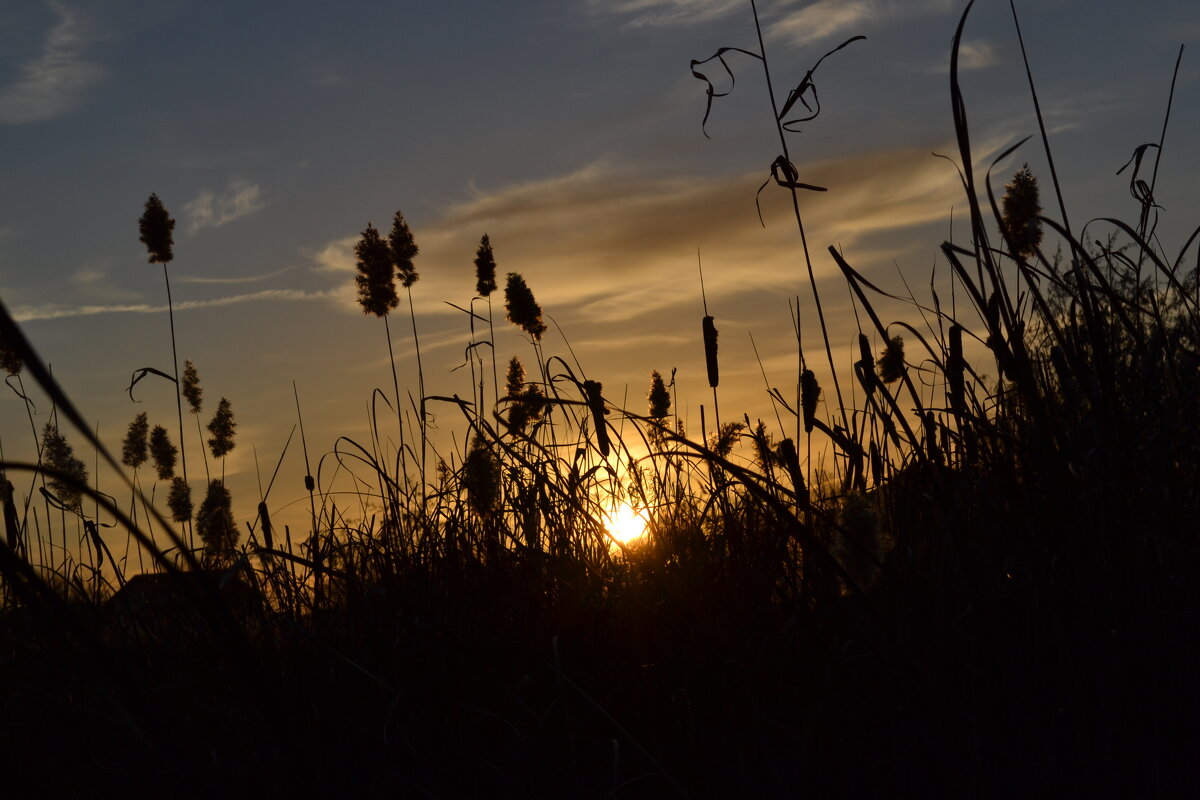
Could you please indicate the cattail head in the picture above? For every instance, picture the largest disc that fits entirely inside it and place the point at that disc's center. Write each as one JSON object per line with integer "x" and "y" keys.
{"x": 403, "y": 250}
{"x": 264, "y": 516}
{"x": 191, "y": 386}
{"x": 179, "y": 500}
{"x": 592, "y": 391}
{"x": 59, "y": 456}
{"x": 810, "y": 393}
{"x": 523, "y": 310}
{"x": 221, "y": 427}
{"x": 481, "y": 478}
{"x": 1020, "y": 209}
{"x": 135, "y": 448}
{"x": 658, "y": 399}
{"x": 865, "y": 368}
{"x": 375, "y": 280}
{"x": 485, "y": 268}
{"x": 214, "y": 522}
{"x": 710, "y": 351}
{"x": 891, "y": 360}
{"x": 955, "y": 369}
{"x": 156, "y": 226}
{"x": 163, "y": 453}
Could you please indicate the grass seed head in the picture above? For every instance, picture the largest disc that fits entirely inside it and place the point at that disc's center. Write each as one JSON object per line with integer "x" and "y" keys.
{"x": 163, "y": 453}
{"x": 1020, "y": 213}
{"x": 179, "y": 500}
{"x": 485, "y": 268}
{"x": 891, "y": 360}
{"x": 481, "y": 478}
{"x": 58, "y": 455}
{"x": 156, "y": 226}
{"x": 375, "y": 280}
{"x": 523, "y": 310}
{"x": 135, "y": 447}
{"x": 221, "y": 428}
{"x": 214, "y": 522}
{"x": 659, "y": 399}
{"x": 191, "y": 386}
{"x": 593, "y": 392}
{"x": 10, "y": 360}
{"x": 403, "y": 249}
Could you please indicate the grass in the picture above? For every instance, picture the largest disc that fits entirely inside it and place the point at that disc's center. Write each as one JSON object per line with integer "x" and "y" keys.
{"x": 989, "y": 587}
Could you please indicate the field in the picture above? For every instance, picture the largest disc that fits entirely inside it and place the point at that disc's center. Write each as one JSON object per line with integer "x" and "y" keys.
{"x": 968, "y": 566}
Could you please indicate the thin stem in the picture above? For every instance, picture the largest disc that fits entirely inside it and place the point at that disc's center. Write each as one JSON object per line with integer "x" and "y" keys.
{"x": 178, "y": 393}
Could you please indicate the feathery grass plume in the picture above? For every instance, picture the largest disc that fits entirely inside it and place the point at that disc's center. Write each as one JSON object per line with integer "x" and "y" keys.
{"x": 191, "y": 386}
{"x": 764, "y": 453}
{"x": 179, "y": 500}
{"x": 891, "y": 360}
{"x": 403, "y": 249}
{"x": 58, "y": 455}
{"x": 375, "y": 280}
{"x": 523, "y": 310}
{"x": 528, "y": 401}
{"x": 135, "y": 448}
{"x": 725, "y": 437}
{"x": 592, "y": 391}
{"x": 156, "y": 226}
{"x": 214, "y": 522}
{"x": 485, "y": 268}
{"x": 221, "y": 427}
{"x": 658, "y": 398}
{"x": 514, "y": 378}
{"x": 710, "y": 351}
{"x": 1022, "y": 228}
{"x": 163, "y": 453}
{"x": 810, "y": 393}
{"x": 481, "y": 478}
{"x": 10, "y": 361}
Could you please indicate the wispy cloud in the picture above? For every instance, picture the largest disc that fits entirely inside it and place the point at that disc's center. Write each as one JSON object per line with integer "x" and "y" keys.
{"x": 245, "y": 279}
{"x": 29, "y": 313}
{"x": 647, "y": 13}
{"x": 212, "y": 210}
{"x": 826, "y": 19}
{"x": 53, "y": 83}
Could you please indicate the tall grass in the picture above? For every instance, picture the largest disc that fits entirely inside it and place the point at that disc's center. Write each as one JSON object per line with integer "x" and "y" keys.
{"x": 992, "y": 588}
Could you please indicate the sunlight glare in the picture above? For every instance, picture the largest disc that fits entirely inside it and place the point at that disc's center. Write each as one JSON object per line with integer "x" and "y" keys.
{"x": 625, "y": 523}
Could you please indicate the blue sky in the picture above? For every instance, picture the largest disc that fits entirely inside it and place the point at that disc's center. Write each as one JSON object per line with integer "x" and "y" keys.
{"x": 568, "y": 131}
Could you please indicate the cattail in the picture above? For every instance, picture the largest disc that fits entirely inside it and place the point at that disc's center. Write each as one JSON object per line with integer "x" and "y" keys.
{"x": 12, "y": 527}
{"x": 485, "y": 268}
{"x": 785, "y": 452}
{"x": 375, "y": 280}
{"x": 891, "y": 360}
{"x": 403, "y": 249}
{"x": 658, "y": 399}
{"x": 156, "y": 226}
{"x": 955, "y": 370}
{"x": 810, "y": 393}
{"x": 191, "y": 386}
{"x": 1020, "y": 222}
{"x": 710, "y": 351}
{"x": 134, "y": 448}
{"x": 523, "y": 310}
{"x": 221, "y": 428}
{"x": 163, "y": 453}
{"x": 866, "y": 365}
{"x": 595, "y": 401}
{"x": 264, "y": 515}
{"x": 214, "y": 521}
{"x": 179, "y": 500}
{"x": 481, "y": 478}
{"x": 58, "y": 455}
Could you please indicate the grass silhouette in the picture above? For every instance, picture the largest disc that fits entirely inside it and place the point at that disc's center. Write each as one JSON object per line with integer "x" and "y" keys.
{"x": 992, "y": 587}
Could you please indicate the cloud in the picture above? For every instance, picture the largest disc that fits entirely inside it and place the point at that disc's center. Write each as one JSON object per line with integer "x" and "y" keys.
{"x": 822, "y": 19}
{"x": 53, "y": 83}
{"x": 652, "y": 13}
{"x": 29, "y": 313}
{"x": 211, "y": 210}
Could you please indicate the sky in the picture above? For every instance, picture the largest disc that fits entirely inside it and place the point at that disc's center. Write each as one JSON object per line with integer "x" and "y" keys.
{"x": 570, "y": 133}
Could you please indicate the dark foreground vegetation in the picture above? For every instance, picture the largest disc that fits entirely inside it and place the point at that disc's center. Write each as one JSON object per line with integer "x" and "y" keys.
{"x": 993, "y": 589}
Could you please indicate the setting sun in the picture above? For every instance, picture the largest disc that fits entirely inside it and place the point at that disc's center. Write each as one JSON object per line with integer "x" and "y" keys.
{"x": 625, "y": 523}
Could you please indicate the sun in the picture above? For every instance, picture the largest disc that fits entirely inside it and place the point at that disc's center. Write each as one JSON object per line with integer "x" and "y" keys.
{"x": 625, "y": 523}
